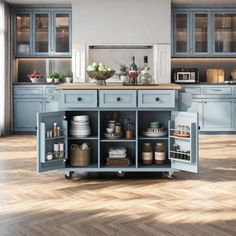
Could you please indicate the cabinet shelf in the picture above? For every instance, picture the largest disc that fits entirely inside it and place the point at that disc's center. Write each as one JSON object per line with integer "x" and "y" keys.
{"x": 176, "y": 137}
{"x": 153, "y": 138}
{"x": 118, "y": 167}
{"x": 187, "y": 154}
{"x": 118, "y": 140}
{"x": 180, "y": 160}
{"x": 85, "y": 138}
{"x": 54, "y": 138}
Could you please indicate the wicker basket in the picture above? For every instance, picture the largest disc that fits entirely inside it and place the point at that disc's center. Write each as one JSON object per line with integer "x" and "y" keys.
{"x": 79, "y": 157}
{"x": 101, "y": 75}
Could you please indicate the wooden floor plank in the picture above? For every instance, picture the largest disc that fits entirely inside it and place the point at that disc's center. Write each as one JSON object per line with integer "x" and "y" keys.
{"x": 102, "y": 204}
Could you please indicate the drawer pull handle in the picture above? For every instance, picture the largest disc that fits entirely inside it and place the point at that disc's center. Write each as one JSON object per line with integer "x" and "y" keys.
{"x": 216, "y": 90}
{"x": 118, "y": 99}
{"x": 79, "y": 99}
{"x": 157, "y": 99}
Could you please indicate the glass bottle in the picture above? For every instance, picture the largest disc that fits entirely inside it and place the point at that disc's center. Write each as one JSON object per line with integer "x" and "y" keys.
{"x": 133, "y": 73}
{"x": 129, "y": 131}
{"x": 146, "y": 77}
{"x": 147, "y": 153}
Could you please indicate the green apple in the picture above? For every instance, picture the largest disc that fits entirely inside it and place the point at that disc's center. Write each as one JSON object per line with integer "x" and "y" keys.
{"x": 109, "y": 69}
{"x": 91, "y": 68}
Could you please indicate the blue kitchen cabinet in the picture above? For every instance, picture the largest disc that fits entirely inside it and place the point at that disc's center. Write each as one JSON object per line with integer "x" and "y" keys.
{"x": 42, "y": 32}
{"x": 28, "y": 100}
{"x": 139, "y": 116}
{"x": 25, "y": 111}
{"x": 218, "y": 114}
{"x": 203, "y": 32}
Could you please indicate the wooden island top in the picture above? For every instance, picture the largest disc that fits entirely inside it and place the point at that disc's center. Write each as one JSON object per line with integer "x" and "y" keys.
{"x": 74, "y": 86}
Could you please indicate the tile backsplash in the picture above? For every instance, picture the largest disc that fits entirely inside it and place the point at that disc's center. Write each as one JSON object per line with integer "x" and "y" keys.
{"x": 43, "y": 65}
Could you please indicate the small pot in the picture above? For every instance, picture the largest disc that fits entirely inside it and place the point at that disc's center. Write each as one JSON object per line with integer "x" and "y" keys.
{"x": 49, "y": 80}
{"x": 68, "y": 80}
{"x": 56, "y": 80}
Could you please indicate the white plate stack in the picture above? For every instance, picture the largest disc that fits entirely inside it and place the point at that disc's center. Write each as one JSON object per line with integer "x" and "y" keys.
{"x": 80, "y": 127}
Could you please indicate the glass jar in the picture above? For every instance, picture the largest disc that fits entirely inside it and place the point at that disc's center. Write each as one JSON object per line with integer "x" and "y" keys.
{"x": 129, "y": 131}
{"x": 147, "y": 147}
{"x": 160, "y": 147}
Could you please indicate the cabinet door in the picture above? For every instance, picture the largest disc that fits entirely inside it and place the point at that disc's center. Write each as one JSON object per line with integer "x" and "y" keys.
{"x": 201, "y": 33}
{"x": 196, "y": 106}
{"x": 25, "y": 111}
{"x": 224, "y": 33}
{"x": 62, "y": 33}
{"x": 186, "y": 156}
{"x": 217, "y": 114}
{"x": 181, "y": 33}
{"x": 52, "y": 102}
{"x": 46, "y": 144}
{"x": 23, "y": 37}
{"x": 41, "y": 33}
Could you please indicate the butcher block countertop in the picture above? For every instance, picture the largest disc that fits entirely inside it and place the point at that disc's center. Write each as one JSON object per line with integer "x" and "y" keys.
{"x": 75, "y": 86}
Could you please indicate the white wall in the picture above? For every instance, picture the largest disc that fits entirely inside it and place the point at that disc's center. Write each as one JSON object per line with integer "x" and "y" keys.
{"x": 121, "y": 22}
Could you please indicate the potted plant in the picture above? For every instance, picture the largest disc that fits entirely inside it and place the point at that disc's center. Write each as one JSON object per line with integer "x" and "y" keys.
{"x": 50, "y": 78}
{"x": 35, "y": 77}
{"x": 68, "y": 76}
{"x": 123, "y": 74}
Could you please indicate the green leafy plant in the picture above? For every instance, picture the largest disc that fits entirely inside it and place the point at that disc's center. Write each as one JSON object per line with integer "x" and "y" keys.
{"x": 124, "y": 70}
{"x": 54, "y": 75}
{"x": 68, "y": 73}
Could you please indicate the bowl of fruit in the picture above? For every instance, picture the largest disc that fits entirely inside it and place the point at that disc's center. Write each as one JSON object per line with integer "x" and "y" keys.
{"x": 100, "y": 72}
{"x": 35, "y": 77}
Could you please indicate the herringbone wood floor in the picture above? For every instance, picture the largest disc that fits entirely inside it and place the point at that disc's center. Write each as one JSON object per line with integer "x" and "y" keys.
{"x": 47, "y": 204}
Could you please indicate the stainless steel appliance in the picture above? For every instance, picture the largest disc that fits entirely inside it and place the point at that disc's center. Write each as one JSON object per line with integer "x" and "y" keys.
{"x": 185, "y": 75}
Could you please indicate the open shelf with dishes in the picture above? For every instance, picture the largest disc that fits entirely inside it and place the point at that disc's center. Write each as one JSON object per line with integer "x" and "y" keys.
{"x": 147, "y": 140}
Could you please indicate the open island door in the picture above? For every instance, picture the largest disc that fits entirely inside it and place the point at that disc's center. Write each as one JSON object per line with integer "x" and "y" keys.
{"x": 183, "y": 141}
{"x": 51, "y": 141}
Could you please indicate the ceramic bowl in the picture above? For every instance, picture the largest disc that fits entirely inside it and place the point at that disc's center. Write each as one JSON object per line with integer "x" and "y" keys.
{"x": 83, "y": 118}
{"x": 80, "y": 133}
{"x": 110, "y": 130}
{"x": 78, "y": 123}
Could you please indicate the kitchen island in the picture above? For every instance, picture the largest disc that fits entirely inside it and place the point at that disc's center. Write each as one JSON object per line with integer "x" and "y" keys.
{"x": 142, "y": 106}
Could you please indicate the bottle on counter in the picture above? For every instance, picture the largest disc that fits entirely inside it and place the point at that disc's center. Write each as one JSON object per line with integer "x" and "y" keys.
{"x": 133, "y": 73}
{"x": 146, "y": 77}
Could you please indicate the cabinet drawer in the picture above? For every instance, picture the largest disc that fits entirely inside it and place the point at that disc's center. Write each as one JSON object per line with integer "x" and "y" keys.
{"x": 156, "y": 98}
{"x": 117, "y": 98}
{"x": 193, "y": 91}
{"x": 28, "y": 91}
{"x": 217, "y": 90}
{"x": 78, "y": 98}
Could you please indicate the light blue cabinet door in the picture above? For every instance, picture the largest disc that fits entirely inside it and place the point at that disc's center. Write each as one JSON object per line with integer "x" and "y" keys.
{"x": 196, "y": 107}
{"x": 218, "y": 114}
{"x": 52, "y": 102}
{"x": 25, "y": 111}
{"x": 181, "y": 160}
{"x": 45, "y": 144}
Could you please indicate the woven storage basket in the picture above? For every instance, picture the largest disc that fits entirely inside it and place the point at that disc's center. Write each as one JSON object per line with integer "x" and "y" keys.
{"x": 79, "y": 157}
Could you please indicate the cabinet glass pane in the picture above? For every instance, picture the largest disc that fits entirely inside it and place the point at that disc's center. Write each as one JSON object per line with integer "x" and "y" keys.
{"x": 201, "y": 32}
{"x": 62, "y": 32}
{"x": 225, "y": 33}
{"x": 41, "y": 32}
{"x": 23, "y": 33}
{"x": 181, "y": 32}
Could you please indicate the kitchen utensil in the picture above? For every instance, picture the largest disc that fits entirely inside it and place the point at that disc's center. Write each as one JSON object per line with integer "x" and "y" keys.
{"x": 233, "y": 74}
{"x": 215, "y": 75}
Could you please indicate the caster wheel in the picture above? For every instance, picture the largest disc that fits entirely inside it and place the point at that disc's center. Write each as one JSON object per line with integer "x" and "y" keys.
{"x": 120, "y": 173}
{"x": 169, "y": 174}
{"x": 70, "y": 175}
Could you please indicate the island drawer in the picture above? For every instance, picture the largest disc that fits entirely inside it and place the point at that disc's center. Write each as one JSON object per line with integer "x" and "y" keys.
{"x": 117, "y": 98}
{"x": 156, "y": 98}
{"x": 78, "y": 98}
{"x": 217, "y": 91}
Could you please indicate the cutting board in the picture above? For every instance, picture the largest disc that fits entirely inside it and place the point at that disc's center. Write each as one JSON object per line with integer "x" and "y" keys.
{"x": 215, "y": 76}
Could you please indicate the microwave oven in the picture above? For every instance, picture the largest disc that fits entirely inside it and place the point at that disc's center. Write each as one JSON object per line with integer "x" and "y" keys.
{"x": 185, "y": 75}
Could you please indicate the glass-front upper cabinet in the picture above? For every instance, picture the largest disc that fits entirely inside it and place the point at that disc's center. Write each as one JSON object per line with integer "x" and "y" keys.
{"x": 62, "y": 29}
{"x": 41, "y": 33}
{"x": 200, "y": 34}
{"x": 23, "y": 33}
{"x": 224, "y": 33}
{"x": 181, "y": 33}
